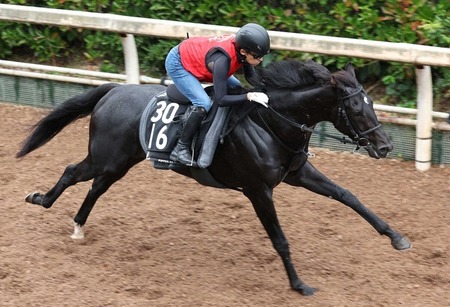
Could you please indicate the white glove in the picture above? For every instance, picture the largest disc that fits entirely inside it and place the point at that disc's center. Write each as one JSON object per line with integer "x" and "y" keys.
{"x": 258, "y": 97}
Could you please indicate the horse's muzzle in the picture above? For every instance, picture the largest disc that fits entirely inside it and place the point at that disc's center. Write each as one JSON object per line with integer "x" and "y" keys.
{"x": 380, "y": 152}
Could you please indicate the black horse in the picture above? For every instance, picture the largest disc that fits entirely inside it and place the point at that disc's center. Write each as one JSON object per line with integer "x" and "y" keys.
{"x": 263, "y": 147}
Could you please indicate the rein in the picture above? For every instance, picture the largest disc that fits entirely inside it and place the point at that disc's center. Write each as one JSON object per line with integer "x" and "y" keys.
{"x": 359, "y": 139}
{"x": 302, "y": 127}
{"x": 292, "y": 123}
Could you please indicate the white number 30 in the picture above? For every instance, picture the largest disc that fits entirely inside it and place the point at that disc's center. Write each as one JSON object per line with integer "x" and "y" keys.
{"x": 165, "y": 112}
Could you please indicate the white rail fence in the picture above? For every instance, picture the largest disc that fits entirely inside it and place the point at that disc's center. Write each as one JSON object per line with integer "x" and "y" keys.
{"x": 421, "y": 56}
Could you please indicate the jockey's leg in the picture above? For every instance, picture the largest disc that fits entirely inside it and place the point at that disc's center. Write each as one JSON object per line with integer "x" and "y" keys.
{"x": 182, "y": 152}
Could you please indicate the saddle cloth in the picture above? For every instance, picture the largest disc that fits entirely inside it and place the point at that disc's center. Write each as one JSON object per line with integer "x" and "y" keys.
{"x": 162, "y": 122}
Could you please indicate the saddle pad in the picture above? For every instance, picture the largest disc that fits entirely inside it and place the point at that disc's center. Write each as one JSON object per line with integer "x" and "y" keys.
{"x": 160, "y": 127}
{"x": 161, "y": 124}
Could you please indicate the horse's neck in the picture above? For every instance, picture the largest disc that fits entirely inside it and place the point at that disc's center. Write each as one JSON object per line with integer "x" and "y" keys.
{"x": 306, "y": 106}
{"x": 292, "y": 109}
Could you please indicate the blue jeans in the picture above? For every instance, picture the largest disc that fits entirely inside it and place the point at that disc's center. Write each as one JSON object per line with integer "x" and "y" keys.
{"x": 187, "y": 83}
{"x": 233, "y": 82}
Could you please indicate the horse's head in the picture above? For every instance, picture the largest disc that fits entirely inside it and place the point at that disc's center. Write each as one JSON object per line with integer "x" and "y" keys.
{"x": 306, "y": 93}
{"x": 356, "y": 117}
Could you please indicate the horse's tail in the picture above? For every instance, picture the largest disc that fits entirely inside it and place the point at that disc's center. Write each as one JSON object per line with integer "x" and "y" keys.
{"x": 61, "y": 116}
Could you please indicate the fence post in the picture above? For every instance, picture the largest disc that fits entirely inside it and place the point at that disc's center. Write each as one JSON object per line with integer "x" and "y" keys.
{"x": 131, "y": 58}
{"x": 424, "y": 117}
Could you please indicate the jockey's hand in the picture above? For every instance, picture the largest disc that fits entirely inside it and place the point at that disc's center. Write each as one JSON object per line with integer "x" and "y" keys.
{"x": 258, "y": 97}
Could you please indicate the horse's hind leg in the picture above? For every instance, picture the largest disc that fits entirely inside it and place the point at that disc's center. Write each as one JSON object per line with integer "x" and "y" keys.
{"x": 73, "y": 174}
{"x": 99, "y": 186}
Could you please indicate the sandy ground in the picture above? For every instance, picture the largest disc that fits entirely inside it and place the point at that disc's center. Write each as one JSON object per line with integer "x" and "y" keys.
{"x": 159, "y": 239}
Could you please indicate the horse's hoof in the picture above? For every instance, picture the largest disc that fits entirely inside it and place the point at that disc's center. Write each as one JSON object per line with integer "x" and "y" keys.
{"x": 308, "y": 291}
{"x": 77, "y": 236}
{"x": 78, "y": 232}
{"x": 305, "y": 289}
{"x": 401, "y": 244}
{"x": 29, "y": 197}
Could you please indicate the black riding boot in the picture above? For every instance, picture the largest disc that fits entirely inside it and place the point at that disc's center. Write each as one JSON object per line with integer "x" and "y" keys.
{"x": 182, "y": 153}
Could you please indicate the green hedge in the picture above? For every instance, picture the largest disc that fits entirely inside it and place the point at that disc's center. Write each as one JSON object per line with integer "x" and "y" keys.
{"x": 409, "y": 21}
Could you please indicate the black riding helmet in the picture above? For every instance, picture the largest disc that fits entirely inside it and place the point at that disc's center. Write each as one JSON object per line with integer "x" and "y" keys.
{"x": 254, "y": 38}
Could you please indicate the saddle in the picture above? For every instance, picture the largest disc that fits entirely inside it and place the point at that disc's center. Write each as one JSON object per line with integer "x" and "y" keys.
{"x": 161, "y": 125}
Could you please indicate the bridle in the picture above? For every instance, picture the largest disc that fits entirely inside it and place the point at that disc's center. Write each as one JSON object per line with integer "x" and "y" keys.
{"x": 358, "y": 139}
{"x": 358, "y": 136}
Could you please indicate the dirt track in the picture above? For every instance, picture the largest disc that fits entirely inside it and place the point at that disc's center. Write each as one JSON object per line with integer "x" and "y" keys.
{"x": 158, "y": 239}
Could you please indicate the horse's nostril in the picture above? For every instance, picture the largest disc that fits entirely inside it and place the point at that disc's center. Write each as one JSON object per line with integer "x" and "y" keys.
{"x": 385, "y": 150}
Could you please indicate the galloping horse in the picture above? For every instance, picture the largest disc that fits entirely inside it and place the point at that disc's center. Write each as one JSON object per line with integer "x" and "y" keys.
{"x": 263, "y": 147}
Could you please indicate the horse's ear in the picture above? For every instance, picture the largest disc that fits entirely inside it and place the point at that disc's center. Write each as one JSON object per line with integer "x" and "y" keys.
{"x": 334, "y": 83}
{"x": 349, "y": 68}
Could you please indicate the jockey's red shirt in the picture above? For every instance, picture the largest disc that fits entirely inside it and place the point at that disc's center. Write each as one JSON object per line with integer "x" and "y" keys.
{"x": 195, "y": 51}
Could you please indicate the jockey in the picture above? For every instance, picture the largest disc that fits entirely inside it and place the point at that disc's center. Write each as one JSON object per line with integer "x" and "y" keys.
{"x": 214, "y": 59}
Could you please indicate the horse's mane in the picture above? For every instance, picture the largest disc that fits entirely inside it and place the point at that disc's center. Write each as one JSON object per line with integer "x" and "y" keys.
{"x": 291, "y": 74}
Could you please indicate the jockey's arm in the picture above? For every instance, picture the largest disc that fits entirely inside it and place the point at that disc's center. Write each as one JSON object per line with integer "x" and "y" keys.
{"x": 220, "y": 64}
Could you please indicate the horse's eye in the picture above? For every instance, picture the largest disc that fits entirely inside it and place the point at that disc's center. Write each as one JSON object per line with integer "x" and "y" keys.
{"x": 366, "y": 100}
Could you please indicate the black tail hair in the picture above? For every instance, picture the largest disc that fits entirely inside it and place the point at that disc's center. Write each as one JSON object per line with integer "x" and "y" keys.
{"x": 61, "y": 116}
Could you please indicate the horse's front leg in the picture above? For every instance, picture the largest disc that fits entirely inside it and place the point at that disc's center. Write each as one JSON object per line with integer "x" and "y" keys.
{"x": 310, "y": 178}
{"x": 262, "y": 201}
